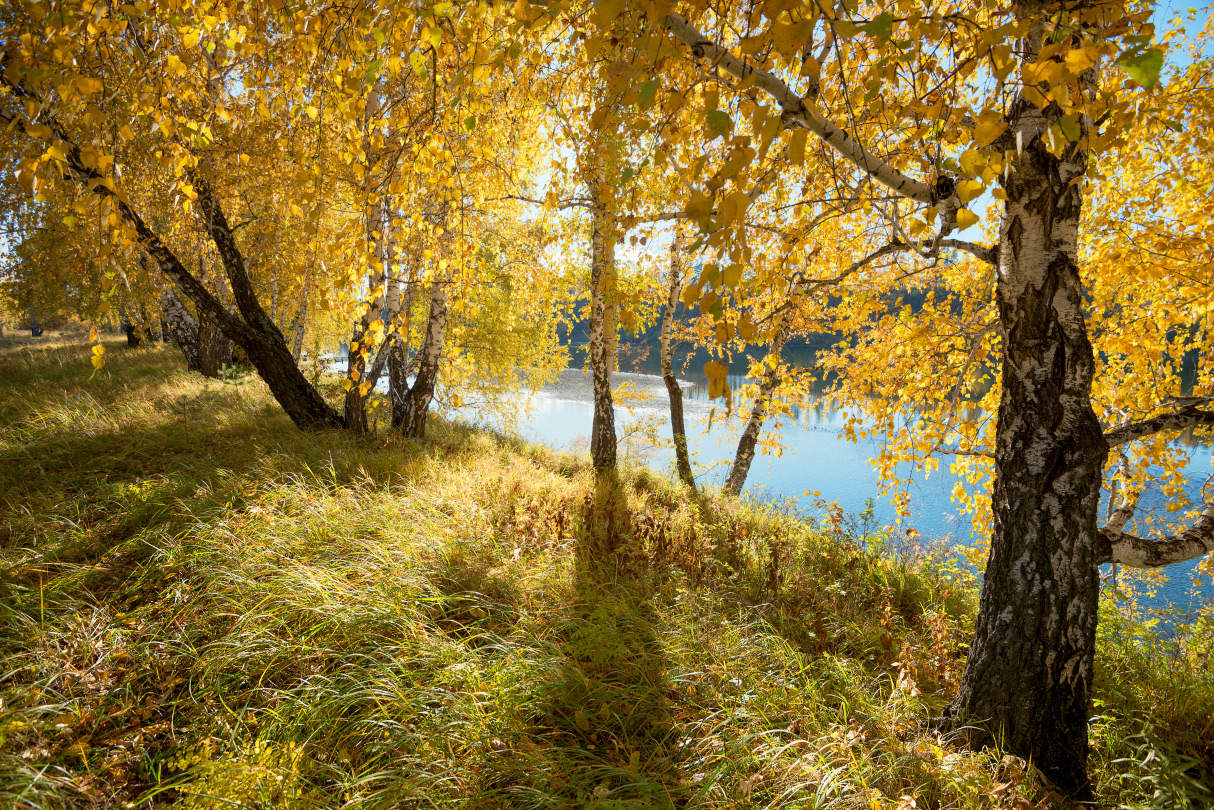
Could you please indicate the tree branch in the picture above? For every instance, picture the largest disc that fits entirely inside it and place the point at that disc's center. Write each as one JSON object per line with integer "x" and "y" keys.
{"x": 1137, "y": 552}
{"x": 988, "y": 255}
{"x": 799, "y": 114}
{"x": 1188, "y": 416}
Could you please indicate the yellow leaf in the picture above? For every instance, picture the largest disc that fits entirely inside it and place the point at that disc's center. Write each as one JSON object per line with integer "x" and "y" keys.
{"x": 796, "y": 147}
{"x": 972, "y": 161}
{"x": 717, "y": 373}
{"x": 966, "y": 218}
{"x": 691, "y": 294}
{"x": 990, "y": 126}
{"x": 968, "y": 190}
{"x": 88, "y": 86}
{"x": 98, "y": 361}
{"x": 1080, "y": 59}
{"x": 312, "y": 112}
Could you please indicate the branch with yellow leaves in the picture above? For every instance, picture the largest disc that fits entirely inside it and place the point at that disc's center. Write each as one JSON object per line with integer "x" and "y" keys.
{"x": 797, "y": 113}
{"x": 1118, "y": 546}
{"x": 1189, "y": 415}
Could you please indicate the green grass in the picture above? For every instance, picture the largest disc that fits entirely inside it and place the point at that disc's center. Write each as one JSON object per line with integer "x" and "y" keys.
{"x": 201, "y": 605}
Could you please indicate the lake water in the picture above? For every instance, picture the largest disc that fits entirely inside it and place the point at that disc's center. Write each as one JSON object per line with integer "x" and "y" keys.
{"x": 815, "y": 457}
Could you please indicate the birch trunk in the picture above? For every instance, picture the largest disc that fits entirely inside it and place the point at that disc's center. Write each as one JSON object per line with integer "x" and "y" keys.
{"x": 214, "y": 348}
{"x": 298, "y": 326}
{"x": 182, "y": 326}
{"x": 398, "y": 360}
{"x": 745, "y": 454}
{"x": 1028, "y": 674}
{"x": 356, "y": 364}
{"x": 411, "y": 421}
{"x": 602, "y": 270}
{"x": 674, "y": 392}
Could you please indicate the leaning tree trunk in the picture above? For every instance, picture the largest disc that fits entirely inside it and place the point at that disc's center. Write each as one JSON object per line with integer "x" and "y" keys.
{"x": 674, "y": 392}
{"x": 1028, "y": 673}
{"x": 411, "y": 420}
{"x": 602, "y": 270}
{"x": 745, "y": 454}
{"x": 182, "y": 326}
{"x": 254, "y": 332}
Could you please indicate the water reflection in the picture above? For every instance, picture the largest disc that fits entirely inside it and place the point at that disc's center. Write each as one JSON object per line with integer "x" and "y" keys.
{"x": 815, "y": 456}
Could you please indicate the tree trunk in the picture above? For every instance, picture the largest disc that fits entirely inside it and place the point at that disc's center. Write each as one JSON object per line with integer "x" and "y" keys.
{"x": 1028, "y": 674}
{"x": 398, "y": 360}
{"x": 132, "y": 334}
{"x": 412, "y": 419}
{"x": 602, "y": 269}
{"x": 356, "y": 367}
{"x": 253, "y": 331}
{"x": 214, "y": 348}
{"x": 674, "y": 392}
{"x": 182, "y": 326}
{"x": 298, "y": 326}
{"x": 745, "y": 454}
{"x": 375, "y": 225}
{"x": 35, "y": 329}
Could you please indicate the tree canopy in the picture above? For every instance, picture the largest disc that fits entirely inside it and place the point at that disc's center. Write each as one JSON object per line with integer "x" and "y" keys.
{"x": 998, "y": 211}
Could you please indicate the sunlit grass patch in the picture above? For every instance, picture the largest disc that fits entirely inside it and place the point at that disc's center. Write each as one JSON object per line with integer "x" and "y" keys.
{"x": 204, "y": 606}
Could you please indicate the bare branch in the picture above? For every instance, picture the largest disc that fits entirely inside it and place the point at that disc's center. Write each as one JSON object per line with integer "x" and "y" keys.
{"x": 986, "y": 254}
{"x": 1138, "y": 552}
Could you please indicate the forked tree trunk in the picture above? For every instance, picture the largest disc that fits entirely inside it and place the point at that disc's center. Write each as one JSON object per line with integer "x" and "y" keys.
{"x": 745, "y": 453}
{"x": 674, "y": 392}
{"x": 602, "y": 270}
{"x": 1028, "y": 673}
{"x": 411, "y": 420}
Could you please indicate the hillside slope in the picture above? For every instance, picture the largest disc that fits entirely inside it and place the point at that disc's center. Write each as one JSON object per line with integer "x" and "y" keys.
{"x": 201, "y": 605}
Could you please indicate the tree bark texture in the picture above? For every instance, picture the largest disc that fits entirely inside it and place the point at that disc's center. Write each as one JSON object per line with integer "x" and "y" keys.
{"x": 398, "y": 360}
{"x": 1028, "y": 675}
{"x": 411, "y": 420}
{"x": 602, "y": 270}
{"x": 745, "y": 453}
{"x": 214, "y": 348}
{"x": 182, "y": 326}
{"x": 674, "y": 392}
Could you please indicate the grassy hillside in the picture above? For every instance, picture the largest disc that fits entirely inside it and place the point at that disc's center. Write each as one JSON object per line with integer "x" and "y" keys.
{"x": 201, "y": 605}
